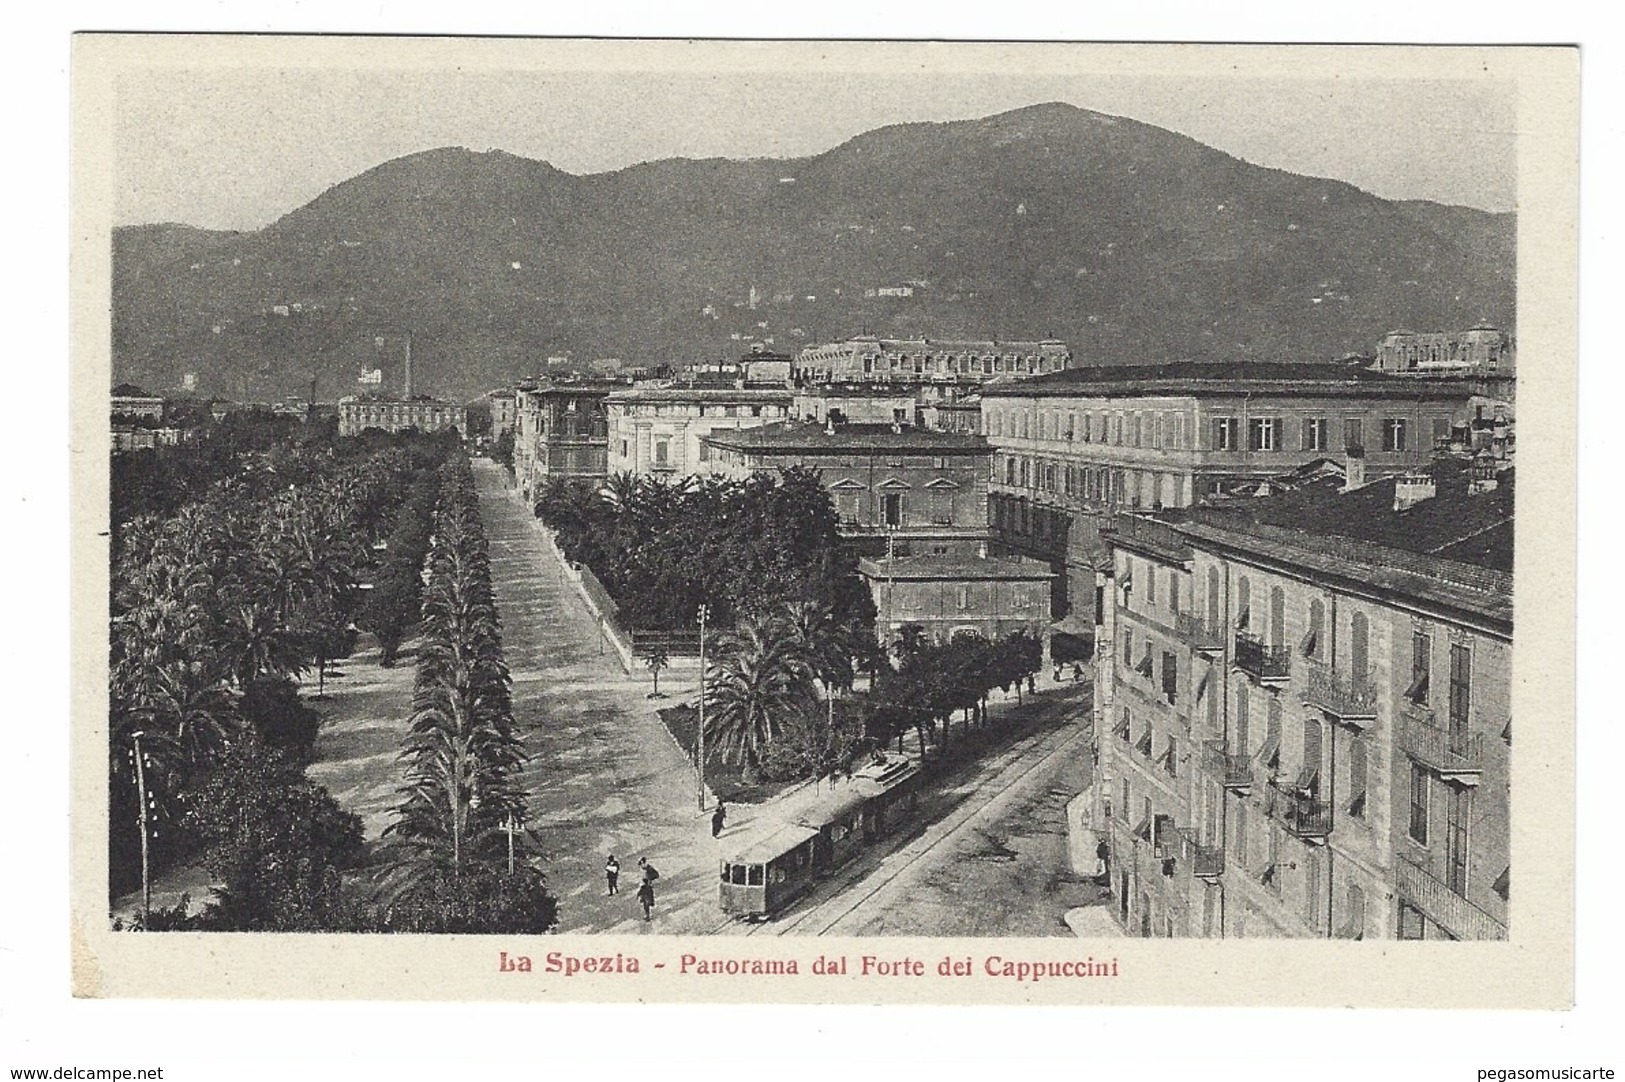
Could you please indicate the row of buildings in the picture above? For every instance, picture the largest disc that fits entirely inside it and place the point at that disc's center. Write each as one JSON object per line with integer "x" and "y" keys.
{"x": 1303, "y": 711}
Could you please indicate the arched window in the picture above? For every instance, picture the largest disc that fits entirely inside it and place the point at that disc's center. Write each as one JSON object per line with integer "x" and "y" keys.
{"x": 1309, "y": 773}
{"x": 1277, "y": 616}
{"x": 1312, "y": 638}
{"x": 1244, "y": 614}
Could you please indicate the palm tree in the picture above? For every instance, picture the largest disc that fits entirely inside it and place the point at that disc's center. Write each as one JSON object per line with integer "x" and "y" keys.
{"x": 825, "y": 645}
{"x": 756, "y": 681}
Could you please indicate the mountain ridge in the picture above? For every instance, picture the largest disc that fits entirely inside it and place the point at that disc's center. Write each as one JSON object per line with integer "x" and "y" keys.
{"x": 1129, "y": 241}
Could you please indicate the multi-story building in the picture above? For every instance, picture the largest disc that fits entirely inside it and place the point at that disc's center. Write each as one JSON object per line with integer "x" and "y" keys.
{"x": 1480, "y": 350}
{"x": 358, "y": 413}
{"x": 662, "y": 429}
{"x": 1303, "y": 716}
{"x": 1072, "y": 448}
{"x": 959, "y": 595}
{"x": 855, "y": 403}
{"x": 928, "y": 363}
{"x": 923, "y": 492}
{"x": 130, "y": 403}
{"x": 562, "y": 431}
{"x": 504, "y": 406}
{"x": 961, "y": 415}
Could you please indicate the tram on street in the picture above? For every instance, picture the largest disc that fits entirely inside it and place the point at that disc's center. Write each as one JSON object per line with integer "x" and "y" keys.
{"x": 782, "y": 859}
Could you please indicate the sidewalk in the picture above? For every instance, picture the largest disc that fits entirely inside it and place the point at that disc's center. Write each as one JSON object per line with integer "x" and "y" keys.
{"x": 604, "y": 775}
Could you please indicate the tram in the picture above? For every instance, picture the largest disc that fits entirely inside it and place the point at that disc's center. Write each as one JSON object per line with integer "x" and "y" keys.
{"x": 782, "y": 859}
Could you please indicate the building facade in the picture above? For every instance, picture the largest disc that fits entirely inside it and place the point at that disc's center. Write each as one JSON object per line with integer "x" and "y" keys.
{"x": 1308, "y": 735}
{"x": 959, "y": 595}
{"x": 921, "y": 491}
{"x": 357, "y": 413}
{"x": 855, "y": 403}
{"x": 924, "y": 361}
{"x": 1070, "y": 450}
{"x": 1481, "y": 350}
{"x": 662, "y": 430}
{"x": 504, "y": 406}
{"x": 562, "y": 430}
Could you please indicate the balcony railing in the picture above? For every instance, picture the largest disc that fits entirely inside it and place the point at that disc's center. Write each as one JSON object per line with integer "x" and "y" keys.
{"x": 1234, "y": 771}
{"x": 1205, "y": 861}
{"x": 1264, "y": 663}
{"x": 1443, "y": 906}
{"x": 1455, "y": 751}
{"x": 1203, "y": 637}
{"x": 1303, "y": 816}
{"x": 1351, "y": 696}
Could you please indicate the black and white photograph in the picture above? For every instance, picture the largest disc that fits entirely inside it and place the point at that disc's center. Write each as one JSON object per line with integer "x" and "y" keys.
{"x": 696, "y": 497}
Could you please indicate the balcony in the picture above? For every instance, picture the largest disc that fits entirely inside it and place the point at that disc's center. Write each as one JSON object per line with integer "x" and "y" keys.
{"x": 1203, "y": 637}
{"x": 1269, "y": 665}
{"x": 1204, "y": 861}
{"x": 1303, "y": 815}
{"x": 1235, "y": 772}
{"x": 1443, "y": 906}
{"x": 1454, "y": 752}
{"x": 1348, "y": 697}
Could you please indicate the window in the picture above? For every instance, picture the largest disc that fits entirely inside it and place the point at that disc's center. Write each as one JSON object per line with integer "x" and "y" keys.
{"x": 1170, "y": 676}
{"x": 1461, "y": 690}
{"x": 1354, "y": 924}
{"x": 1353, "y": 434}
{"x": 1241, "y": 745}
{"x": 1314, "y": 433}
{"x": 705, "y": 451}
{"x": 1412, "y": 925}
{"x": 1263, "y": 434}
{"x": 1128, "y": 648}
{"x": 662, "y": 454}
{"x": 1225, "y": 433}
{"x": 1357, "y": 776}
{"x": 1421, "y": 667}
{"x": 1457, "y": 806}
{"x": 1170, "y": 760}
{"x": 1311, "y": 889}
{"x": 1312, "y": 637}
{"x": 1150, "y": 583}
{"x": 1071, "y": 426}
{"x": 1360, "y": 645}
{"x": 1441, "y": 430}
{"x": 1243, "y": 603}
{"x": 623, "y": 449}
{"x": 964, "y": 597}
{"x": 893, "y": 507}
{"x": 1419, "y": 805}
{"x": 1137, "y": 429}
{"x": 1271, "y": 876}
{"x": 1277, "y": 617}
{"x": 1309, "y": 771}
{"x": 1393, "y": 434}
{"x": 1173, "y": 591}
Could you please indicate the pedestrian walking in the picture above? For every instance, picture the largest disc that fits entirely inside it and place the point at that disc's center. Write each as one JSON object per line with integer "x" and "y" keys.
{"x": 1077, "y": 672}
{"x": 612, "y": 873}
{"x": 646, "y": 871}
{"x": 646, "y": 898}
{"x": 718, "y": 817}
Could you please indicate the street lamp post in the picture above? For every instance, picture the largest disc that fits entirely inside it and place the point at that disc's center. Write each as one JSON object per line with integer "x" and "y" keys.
{"x": 146, "y": 866}
{"x": 510, "y": 827}
{"x": 699, "y": 734}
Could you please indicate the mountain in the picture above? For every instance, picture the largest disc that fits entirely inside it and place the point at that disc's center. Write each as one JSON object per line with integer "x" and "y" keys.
{"x": 1131, "y": 242}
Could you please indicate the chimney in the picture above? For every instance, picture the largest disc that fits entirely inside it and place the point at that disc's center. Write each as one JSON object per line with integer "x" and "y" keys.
{"x": 1354, "y": 469}
{"x": 1412, "y": 488}
{"x": 407, "y": 393}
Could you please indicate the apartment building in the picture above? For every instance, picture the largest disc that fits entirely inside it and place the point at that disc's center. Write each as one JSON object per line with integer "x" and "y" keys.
{"x": 1304, "y": 715}
{"x": 1075, "y": 447}
{"x": 357, "y": 413}
{"x": 562, "y": 431}
{"x": 662, "y": 429}
{"x": 918, "y": 491}
{"x": 959, "y": 595}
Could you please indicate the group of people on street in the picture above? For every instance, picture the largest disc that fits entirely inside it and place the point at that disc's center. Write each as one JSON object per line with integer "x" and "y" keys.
{"x": 646, "y": 882}
{"x": 646, "y": 871}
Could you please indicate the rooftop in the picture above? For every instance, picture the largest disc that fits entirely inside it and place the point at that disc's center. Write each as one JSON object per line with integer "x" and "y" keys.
{"x": 1224, "y": 377}
{"x": 684, "y": 392}
{"x": 987, "y": 345}
{"x": 955, "y": 568}
{"x": 130, "y": 390}
{"x": 846, "y": 438}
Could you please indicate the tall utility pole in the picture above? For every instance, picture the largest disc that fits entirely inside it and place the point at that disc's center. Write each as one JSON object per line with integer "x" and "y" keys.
{"x": 510, "y": 828}
{"x": 891, "y": 550}
{"x": 699, "y": 733}
{"x": 146, "y": 866}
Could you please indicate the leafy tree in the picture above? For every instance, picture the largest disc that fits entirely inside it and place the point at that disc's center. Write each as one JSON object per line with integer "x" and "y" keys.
{"x": 655, "y": 661}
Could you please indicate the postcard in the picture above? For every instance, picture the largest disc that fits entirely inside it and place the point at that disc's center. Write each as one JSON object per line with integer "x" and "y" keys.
{"x": 859, "y": 522}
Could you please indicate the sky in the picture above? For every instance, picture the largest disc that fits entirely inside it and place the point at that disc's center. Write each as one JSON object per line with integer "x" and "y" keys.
{"x": 235, "y": 148}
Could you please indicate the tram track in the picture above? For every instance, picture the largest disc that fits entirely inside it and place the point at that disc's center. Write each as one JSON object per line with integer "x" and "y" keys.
{"x": 857, "y": 887}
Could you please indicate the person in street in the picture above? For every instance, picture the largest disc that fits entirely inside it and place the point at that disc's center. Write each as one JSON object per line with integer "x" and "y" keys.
{"x": 646, "y": 871}
{"x": 646, "y": 898}
{"x": 612, "y": 873}
{"x": 1077, "y": 671}
{"x": 718, "y": 817}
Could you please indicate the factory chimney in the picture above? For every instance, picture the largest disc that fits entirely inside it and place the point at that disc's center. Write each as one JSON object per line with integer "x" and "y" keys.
{"x": 407, "y": 391}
